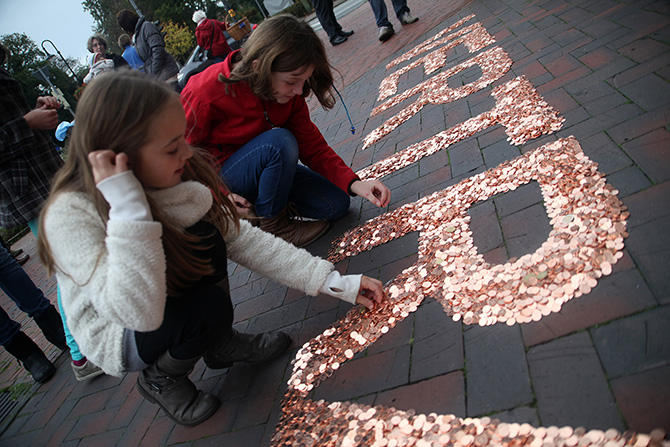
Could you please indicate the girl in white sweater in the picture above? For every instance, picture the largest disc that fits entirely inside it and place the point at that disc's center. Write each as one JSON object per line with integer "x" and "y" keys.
{"x": 138, "y": 230}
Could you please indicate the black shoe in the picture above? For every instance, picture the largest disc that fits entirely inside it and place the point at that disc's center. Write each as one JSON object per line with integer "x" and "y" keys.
{"x": 22, "y": 258}
{"x": 345, "y": 33}
{"x": 338, "y": 40}
{"x": 31, "y": 357}
{"x": 249, "y": 348}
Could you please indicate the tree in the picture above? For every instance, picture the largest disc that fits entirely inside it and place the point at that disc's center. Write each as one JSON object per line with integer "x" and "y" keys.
{"x": 25, "y": 57}
{"x": 179, "y": 40}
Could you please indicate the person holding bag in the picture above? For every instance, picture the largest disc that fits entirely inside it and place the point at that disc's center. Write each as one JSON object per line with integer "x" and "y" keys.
{"x": 209, "y": 36}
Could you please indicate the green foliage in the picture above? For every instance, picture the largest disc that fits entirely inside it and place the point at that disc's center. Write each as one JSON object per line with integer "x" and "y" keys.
{"x": 179, "y": 41}
{"x": 25, "y": 57}
{"x": 247, "y": 8}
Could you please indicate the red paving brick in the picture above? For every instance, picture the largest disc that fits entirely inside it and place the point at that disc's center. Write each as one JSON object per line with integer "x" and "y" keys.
{"x": 604, "y": 66}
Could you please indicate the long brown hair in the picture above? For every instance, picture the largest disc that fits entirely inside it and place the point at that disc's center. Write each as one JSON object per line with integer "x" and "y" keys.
{"x": 283, "y": 43}
{"x": 115, "y": 112}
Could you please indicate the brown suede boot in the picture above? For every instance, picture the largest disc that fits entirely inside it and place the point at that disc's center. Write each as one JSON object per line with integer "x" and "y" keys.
{"x": 297, "y": 232}
{"x": 166, "y": 383}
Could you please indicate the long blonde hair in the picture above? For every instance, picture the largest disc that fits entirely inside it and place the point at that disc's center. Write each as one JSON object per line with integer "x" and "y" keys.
{"x": 115, "y": 112}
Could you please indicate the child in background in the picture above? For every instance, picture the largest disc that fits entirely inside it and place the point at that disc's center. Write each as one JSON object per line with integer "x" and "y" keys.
{"x": 250, "y": 113}
{"x": 138, "y": 230}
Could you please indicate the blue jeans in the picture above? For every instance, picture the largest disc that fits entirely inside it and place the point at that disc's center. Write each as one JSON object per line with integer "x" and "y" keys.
{"x": 381, "y": 14}
{"x": 265, "y": 171}
{"x": 18, "y": 286}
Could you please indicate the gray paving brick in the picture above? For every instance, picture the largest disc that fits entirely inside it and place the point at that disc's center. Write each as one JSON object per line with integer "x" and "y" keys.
{"x": 526, "y": 230}
{"x": 486, "y": 231}
{"x": 644, "y": 399}
{"x": 443, "y": 394}
{"x": 438, "y": 342}
{"x": 519, "y": 415}
{"x": 499, "y": 152}
{"x": 363, "y": 376}
{"x": 649, "y": 92}
{"x": 601, "y": 149}
{"x": 650, "y": 248}
{"x": 628, "y": 180}
{"x": 634, "y": 344}
{"x": 391, "y": 251}
{"x": 648, "y": 205}
{"x": 521, "y": 198}
{"x": 497, "y": 374}
{"x": 570, "y": 385}
{"x": 622, "y": 293}
{"x": 651, "y": 152}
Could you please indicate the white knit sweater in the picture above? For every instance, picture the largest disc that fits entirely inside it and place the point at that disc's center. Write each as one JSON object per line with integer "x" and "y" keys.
{"x": 112, "y": 276}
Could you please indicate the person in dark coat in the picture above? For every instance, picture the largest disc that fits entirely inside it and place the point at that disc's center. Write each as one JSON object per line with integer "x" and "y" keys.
{"x": 150, "y": 46}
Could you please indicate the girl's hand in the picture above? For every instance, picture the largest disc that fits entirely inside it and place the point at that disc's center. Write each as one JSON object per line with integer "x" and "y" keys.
{"x": 106, "y": 163}
{"x": 243, "y": 205}
{"x": 373, "y": 190}
{"x": 372, "y": 291}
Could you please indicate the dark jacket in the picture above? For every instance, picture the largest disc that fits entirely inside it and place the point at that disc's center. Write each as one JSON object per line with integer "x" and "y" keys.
{"x": 150, "y": 46}
{"x": 28, "y": 158}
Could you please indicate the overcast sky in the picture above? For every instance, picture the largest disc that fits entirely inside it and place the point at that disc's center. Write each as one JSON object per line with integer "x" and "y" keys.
{"x": 64, "y": 22}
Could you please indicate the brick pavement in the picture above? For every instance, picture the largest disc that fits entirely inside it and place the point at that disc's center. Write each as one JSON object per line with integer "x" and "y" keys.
{"x": 602, "y": 361}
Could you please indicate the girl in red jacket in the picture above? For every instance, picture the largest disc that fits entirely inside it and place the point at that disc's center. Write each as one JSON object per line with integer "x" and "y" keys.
{"x": 250, "y": 112}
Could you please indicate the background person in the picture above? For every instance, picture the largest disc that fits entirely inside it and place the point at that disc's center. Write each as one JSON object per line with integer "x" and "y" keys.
{"x": 150, "y": 46}
{"x": 129, "y": 53}
{"x": 381, "y": 16}
{"x": 326, "y": 15}
{"x": 209, "y": 36}
{"x": 18, "y": 286}
{"x": 28, "y": 161}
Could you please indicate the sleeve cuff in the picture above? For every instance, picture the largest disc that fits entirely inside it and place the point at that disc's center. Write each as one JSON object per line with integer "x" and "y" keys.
{"x": 344, "y": 287}
{"x": 126, "y": 198}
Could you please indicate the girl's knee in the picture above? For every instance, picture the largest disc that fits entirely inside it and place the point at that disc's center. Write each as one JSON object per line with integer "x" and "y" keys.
{"x": 340, "y": 206}
{"x": 285, "y": 144}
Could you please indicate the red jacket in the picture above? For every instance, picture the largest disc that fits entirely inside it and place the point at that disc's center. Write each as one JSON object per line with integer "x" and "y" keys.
{"x": 203, "y": 36}
{"x": 223, "y": 122}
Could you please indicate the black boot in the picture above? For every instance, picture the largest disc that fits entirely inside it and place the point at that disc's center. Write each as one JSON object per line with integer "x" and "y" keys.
{"x": 166, "y": 383}
{"x": 250, "y": 348}
{"x": 52, "y": 327}
{"x": 31, "y": 357}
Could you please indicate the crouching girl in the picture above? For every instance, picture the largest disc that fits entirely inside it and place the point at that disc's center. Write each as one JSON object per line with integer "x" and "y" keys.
{"x": 138, "y": 230}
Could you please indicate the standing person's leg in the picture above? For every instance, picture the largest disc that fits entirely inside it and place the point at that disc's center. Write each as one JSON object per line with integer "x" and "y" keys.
{"x": 380, "y": 12}
{"x": 316, "y": 197}
{"x": 20, "y": 288}
{"x": 402, "y": 12}
{"x": 326, "y": 15}
{"x": 324, "y": 12}
{"x": 381, "y": 17}
{"x": 262, "y": 172}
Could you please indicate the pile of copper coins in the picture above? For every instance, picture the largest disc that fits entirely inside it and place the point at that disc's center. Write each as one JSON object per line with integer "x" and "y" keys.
{"x": 346, "y": 424}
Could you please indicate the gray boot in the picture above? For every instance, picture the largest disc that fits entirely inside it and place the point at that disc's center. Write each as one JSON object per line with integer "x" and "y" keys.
{"x": 249, "y": 348}
{"x": 166, "y": 383}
